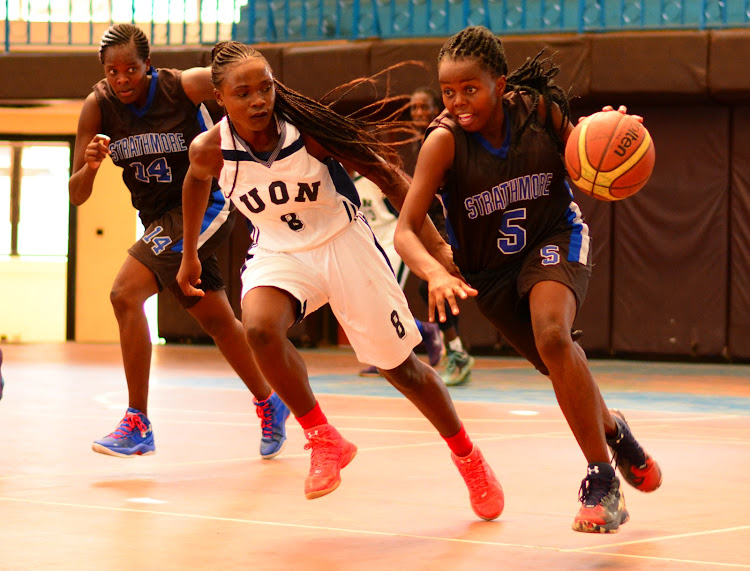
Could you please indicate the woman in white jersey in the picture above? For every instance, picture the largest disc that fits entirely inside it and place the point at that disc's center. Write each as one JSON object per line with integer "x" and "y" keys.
{"x": 279, "y": 155}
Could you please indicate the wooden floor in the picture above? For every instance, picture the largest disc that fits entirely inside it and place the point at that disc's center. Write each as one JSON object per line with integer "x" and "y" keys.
{"x": 207, "y": 501}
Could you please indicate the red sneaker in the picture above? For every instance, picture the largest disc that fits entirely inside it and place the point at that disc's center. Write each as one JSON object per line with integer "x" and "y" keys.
{"x": 637, "y": 467}
{"x": 330, "y": 453}
{"x": 603, "y": 509}
{"x": 485, "y": 492}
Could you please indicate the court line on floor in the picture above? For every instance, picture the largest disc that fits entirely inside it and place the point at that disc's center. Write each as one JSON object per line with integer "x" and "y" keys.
{"x": 329, "y": 529}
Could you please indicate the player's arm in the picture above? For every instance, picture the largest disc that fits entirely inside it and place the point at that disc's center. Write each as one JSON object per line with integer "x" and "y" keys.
{"x": 196, "y": 82}
{"x": 563, "y": 126}
{"x": 434, "y": 160}
{"x": 206, "y": 163}
{"x": 394, "y": 184}
{"x": 90, "y": 150}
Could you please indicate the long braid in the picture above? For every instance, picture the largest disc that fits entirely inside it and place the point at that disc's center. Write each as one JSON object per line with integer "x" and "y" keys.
{"x": 355, "y": 136}
{"x": 535, "y": 76}
{"x": 124, "y": 34}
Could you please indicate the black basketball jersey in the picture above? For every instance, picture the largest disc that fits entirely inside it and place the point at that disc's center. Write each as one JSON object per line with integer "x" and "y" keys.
{"x": 151, "y": 143}
{"x": 500, "y": 202}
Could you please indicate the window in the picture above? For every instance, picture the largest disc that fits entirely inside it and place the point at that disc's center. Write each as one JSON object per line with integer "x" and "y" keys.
{"x": 34, "y": 204}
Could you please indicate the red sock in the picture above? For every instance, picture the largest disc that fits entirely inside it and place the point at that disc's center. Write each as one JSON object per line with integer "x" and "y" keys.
{"x": 460, "y": 443}
{"x": 313, "y": 418}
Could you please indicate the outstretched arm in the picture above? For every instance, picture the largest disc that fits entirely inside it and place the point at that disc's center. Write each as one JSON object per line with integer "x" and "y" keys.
{"x": 205, "y": 165}
{"x": 435, "y": 158}
{"x": 90, "y": 150}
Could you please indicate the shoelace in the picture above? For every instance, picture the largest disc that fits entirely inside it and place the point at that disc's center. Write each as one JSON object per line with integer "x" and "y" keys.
{"x": 626, "y": 445}
{"x": 130, "y": 422}
{"x": 593, "y": 490}
{"x": 475, "y": 475}
{"x": 324, "y": 451}
{"x": 265, "y": 413}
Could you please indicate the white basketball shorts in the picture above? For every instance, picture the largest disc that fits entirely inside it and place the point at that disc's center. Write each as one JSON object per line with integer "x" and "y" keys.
{"x": 351, "y": 274}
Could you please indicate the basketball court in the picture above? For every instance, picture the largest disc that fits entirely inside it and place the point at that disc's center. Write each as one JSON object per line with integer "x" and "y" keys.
{"x": 206, "y": 500}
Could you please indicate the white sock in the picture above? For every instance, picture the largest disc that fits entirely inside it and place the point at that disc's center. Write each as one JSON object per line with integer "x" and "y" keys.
{"x": 456, "y": 345}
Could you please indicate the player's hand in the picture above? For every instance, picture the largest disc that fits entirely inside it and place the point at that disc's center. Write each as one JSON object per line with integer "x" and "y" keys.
{"x": 624, "y": 110}
{"x": 96, "y": 151}
{"x": 444, "y": 255}
{"x": 621, "y": 109}
{"x": 189, "y": 276}
{"x": 445, "y": 287}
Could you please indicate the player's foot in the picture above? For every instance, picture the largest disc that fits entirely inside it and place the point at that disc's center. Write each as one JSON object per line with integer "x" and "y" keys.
{"x": 330, "y": 453}
{"x": 485, "y": 492}
{"x": 636, "y": 466}
{"x": 458, "y": 368}
{"x": 273, "y": 414}
{"x": 371, "y": 371}
{"x": 134, "y": 437}
{"x": 433, "y": 342}
{"x": 603, "y": 509}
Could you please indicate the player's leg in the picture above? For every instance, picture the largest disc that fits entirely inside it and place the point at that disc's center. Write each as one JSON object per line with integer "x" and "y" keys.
{"x": 273, "y": 285}
{"x": 382, "y": 331}
{"x": 134, "y": 284}
{"x": 216, "y": 317}
{"x": 553, "y": 307}
{"x": 425, "y": 389}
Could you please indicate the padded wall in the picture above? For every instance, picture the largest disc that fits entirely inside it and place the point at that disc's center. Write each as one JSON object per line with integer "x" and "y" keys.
{"x": 671, "y": 249}
{"x": 739, "y": 292}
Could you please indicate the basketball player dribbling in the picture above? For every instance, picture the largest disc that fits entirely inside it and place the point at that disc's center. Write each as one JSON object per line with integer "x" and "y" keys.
{"x": 144, "y": 119}
{"x": 520, "y": 242}
{"x": 280, "y": 159}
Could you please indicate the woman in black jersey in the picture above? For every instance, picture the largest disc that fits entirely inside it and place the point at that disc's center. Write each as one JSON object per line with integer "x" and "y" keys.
{"x": 520, "y": 242}
{"x": 145, "y": 119}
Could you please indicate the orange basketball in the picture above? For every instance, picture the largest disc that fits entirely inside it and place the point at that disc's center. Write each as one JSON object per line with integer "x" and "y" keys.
{"x": 610, "y": 155}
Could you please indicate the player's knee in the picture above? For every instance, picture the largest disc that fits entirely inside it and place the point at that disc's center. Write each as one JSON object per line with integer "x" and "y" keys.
{"x": 260, "y": 336}
{"x": 122, "y": 301}
{"x": 552, "y": 340}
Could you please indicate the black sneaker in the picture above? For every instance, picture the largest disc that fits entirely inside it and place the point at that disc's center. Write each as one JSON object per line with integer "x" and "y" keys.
{"x": 603, "y": 508}
{"x": 636, "y": 466}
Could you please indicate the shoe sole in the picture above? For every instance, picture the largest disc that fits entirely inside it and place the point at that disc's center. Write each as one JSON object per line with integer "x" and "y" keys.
{"x": 276, "y": 453}
{"x": 337, "y": 482}
{"x": 592, "y": 527}
{"x": 109, "y": 452}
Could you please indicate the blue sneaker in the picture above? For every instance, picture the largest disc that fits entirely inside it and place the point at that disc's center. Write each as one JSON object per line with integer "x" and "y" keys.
{"x": 134, "y": 436}
{"x": 273, "y": 414}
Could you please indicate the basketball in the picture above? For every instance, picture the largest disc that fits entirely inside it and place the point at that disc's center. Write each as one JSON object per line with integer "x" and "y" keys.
{"x": 610, "y": 155}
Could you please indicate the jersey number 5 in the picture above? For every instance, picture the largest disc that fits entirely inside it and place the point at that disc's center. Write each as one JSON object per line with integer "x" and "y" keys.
{"x": 513, "y": 238}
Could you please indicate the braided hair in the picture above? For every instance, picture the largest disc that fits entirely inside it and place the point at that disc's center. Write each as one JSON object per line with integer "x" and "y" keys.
{"x": 535, "y": 76}
{"x": 354, "y": 136}
{"x": 124, "y": 34}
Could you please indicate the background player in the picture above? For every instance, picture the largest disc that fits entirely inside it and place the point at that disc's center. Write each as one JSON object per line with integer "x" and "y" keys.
{"x": 525, "y": 255}
{"x": 145, "y": 119}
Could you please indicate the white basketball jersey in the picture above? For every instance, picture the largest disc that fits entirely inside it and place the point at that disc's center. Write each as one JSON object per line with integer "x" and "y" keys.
{"x": 293, "y": 201}
{"x": 373, "y": 206}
